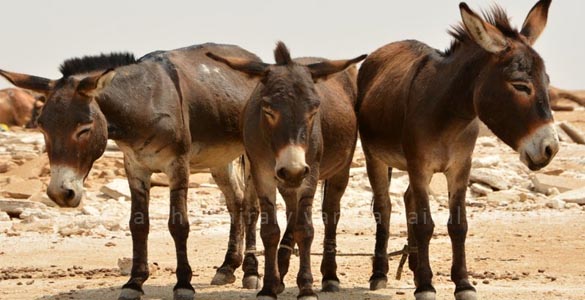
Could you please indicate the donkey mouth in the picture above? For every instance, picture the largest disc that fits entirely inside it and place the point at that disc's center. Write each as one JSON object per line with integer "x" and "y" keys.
{"x": 535, "y": 166}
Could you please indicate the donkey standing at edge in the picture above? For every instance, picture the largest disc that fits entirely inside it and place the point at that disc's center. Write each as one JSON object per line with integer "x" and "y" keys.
{"x": 298, "y": 128}
{"x": 172, "y": 112}
{"x": 418, "y": 111}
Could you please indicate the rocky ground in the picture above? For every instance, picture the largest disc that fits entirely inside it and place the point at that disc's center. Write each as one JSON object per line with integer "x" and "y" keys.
{"x": 526, "y": 241}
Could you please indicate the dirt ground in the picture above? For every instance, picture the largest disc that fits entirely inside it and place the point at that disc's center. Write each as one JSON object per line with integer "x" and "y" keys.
{"x": 518, "y": 248}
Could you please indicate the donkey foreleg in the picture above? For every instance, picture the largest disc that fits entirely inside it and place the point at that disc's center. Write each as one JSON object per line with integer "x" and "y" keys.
{"x": 139, "y": 182}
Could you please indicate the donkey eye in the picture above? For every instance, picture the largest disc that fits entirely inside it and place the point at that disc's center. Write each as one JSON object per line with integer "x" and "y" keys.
{"x": 521, "y": 87}
{"x": 269, "y": 113}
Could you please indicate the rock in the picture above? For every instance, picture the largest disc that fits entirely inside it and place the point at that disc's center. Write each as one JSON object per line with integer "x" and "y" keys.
{"x": 117, "y": 188}
{"x": 575, "y": 196}
{"x": 487, "y": 141}
{"x": 572, "y": 206}
{"x": 4, "y": 216}
{"x": 125, "y": 265}
{"x": 503, "y": 198}
{"x": 543, "y": 183}
{"x": 555, "y": 204}
{"x": 23, "y": 190}
{"x": 199, "y": 179}
{"x": 31, "y": 169}
{"x": 481, "y": 189}
{"x": 4, "y": 167}
{"x": 35, "y": 225}
{"x": 5, "y": 226}
{"x": 493, "y": 178}
{"x": 90, "y": 211}
{"x": 42, "y": 198}
{"x": 485, "y": 162}
{"x": 16, "y": 207}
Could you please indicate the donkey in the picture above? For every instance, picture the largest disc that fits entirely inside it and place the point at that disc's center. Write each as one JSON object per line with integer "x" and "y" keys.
{"x": 419, "y": 110}
{"x": 173, "y": 112}
{"x": 298, "y": 128}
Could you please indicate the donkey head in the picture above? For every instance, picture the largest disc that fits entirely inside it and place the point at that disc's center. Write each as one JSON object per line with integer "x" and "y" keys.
{"x": 289, "y": 106}
{"x": 74, "y": 127}
{"x": 511, "y": 95}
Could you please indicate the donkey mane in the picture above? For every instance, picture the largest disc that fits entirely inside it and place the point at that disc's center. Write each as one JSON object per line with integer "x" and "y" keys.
{"x": 88, "y": 64}
{"x": 496, "y": 16}
{"x": 281, "y": 54}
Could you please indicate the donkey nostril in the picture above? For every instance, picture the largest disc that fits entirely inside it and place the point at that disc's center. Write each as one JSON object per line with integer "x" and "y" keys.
{"x": 548, "y": 151}
{"x": 69, "y": 194}
{"x": 281, "y": 173}
{"x": 306, "y": 171}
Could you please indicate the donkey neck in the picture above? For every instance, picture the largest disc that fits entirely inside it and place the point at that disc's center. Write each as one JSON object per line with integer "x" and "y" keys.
{"x": 463, "y": 67}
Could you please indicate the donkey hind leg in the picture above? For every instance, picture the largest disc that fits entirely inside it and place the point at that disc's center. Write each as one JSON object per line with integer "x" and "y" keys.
{"x": 457, "y": 179}
{"x": 179, "y": 226}
{"x": 227, "y": 180}
{"x": 139, "y": 181}
{"x": 333, "y": 190}
{"x": 379, "y": 176}
{"x": 287, "y": 243}
{"x": 251, "y": 278}
{"x": 410, "y": 211}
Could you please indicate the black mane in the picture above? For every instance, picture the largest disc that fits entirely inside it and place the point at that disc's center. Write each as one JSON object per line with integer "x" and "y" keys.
{"x": 496, "y": 16}
{"x": 88, "y": 64}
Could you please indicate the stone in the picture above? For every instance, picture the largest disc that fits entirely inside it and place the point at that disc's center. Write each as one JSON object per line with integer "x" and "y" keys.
{"x": 23, "y": 190}
{"x": 491, "y": 177}
{"x": 575, "y": 196}
{"x": 503, "y": 198}
{"x": 90, "y": 211}
{"x": 481, "y": 189}
{"x": 555, "y": 204}
{"x": 125, "y": 265}
{"x": 42, "y": 197}
{"x": 31, "y": 169}
{"x": 4, "y": 216}
{"x": 16, "y": 207}
{"x": 117, "y": 188}
{"x": 35, "y": 225}
{"x": 199, "y": 179}
{"x": 543, "y": 183}
{"x": 486, "y": 161}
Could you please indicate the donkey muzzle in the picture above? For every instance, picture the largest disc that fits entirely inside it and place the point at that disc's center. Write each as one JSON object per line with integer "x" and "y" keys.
{"x": 538, "y": 149}
{"x": 65, "y": 187}
{"x": 291, "y": 167}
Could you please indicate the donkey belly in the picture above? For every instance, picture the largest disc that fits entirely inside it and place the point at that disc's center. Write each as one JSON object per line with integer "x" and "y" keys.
{"x": 213, "y": 155}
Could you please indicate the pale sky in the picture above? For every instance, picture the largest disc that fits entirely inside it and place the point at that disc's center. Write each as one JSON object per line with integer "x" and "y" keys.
{"x": 39, "y": 35}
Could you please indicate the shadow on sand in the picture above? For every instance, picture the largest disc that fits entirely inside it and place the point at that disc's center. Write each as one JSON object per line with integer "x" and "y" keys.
{"x": 206, "y": 292}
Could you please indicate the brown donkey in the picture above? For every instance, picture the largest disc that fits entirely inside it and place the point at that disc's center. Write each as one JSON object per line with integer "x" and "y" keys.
{"x": 298, "y": 128}
{"x": 419, "y": 110}
{"x": 172, "y": 112}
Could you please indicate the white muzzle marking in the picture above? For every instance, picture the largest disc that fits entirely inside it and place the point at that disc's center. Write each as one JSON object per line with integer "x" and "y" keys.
{"x": 538, "y": 149}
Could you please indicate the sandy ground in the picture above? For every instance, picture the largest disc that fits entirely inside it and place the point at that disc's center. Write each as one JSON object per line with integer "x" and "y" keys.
{"x": 517, "y": 248}
{"x": 512, "y": 255}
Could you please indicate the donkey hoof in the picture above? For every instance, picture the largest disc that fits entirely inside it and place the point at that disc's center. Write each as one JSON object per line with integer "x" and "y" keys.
{"x": 130, "y": 294}
{"x": 183, "y": 294}
{"x": 330, "y": 286}
{"x": 310, "y": 296}
{"x": 425, "y": 296}
{"x": 466, "y": 295}
{"x": 265, "y": 297}
{"x": 378, "y": 284}
{"x": 280, "y": 288}
{"x": 221, "y": 278}
{"x": 251, "y": 282}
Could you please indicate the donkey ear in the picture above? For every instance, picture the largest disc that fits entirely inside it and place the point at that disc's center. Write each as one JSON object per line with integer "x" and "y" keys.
{"x": 250, "y": 67}
{"x": 484, "y": 34}
{"x": 322, "y": 70}
{"x": 38, "y": 84}
{"x": 536, "y": 21}
{"x": 92, "y": 86}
